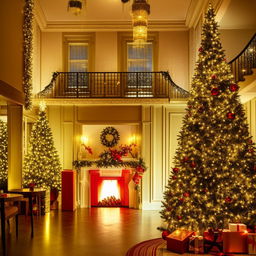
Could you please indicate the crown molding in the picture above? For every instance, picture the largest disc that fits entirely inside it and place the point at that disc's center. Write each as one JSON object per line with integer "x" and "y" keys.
{"x": 92, "y": 26}
{"x": 39, "y": 15}
{"x": 221, "y": 8}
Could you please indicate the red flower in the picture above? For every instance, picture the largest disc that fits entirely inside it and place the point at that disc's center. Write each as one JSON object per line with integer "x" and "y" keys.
{"x": 233, "y": 87}
{"x": 175, "y": 169}
{"x": 140, "y": 169}
{"x": 231, "y": 115}
{"x": 215, "y": 91}
{"x": 165, "y": 233}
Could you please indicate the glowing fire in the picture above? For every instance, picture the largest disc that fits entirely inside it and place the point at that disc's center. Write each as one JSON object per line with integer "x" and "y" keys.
{"x": 109, "y": 188}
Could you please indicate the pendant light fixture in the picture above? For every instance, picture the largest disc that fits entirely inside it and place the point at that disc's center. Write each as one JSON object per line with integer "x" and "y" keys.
{"x": 140, "y": 12}
{"x": 75, "y": 6}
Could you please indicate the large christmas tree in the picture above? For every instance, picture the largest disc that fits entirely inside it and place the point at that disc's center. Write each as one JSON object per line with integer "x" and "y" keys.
{"x": 3, "y": 155}
{"x": 213, "y": 180}
{"x": 41, "y": 164}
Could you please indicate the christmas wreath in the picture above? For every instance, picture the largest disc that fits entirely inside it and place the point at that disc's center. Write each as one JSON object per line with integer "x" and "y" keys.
{"x": 109, "y": 137}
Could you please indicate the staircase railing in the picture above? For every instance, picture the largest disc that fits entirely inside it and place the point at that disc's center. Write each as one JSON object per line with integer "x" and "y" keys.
{"x": 245, "y": 61}
{"x": 112, "y": 85}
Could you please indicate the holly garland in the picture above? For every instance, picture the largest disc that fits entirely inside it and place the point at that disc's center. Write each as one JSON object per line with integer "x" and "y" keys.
{"x": 27, "y": 51}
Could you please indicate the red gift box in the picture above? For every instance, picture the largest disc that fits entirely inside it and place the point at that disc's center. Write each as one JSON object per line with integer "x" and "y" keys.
{"x": 235, "y": 242}
{"x": 252, "y": 243}
{"x": 239, "y": 227}
{"x": 213, "y": 241}
{"x": 178, "y": 241}
{"x": 196, "y": 244}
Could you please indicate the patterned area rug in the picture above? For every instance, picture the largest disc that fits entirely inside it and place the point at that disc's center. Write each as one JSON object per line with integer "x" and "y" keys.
{"x": 153, "y": 247}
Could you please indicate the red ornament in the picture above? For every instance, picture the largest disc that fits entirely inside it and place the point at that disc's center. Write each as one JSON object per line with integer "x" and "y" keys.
{"x": 200, "y": 49}
{"x": 215, "y": 91}
{"x": 165, "y": 233}
{"x": 251, "y": 150}
{"x": 231, "y": 115}
{"x": 185, "y": 159}
{"x": 179, "y": 217}
{"x": 174, "y": 177}
{"x": 233, "y": 87}
{"x": 140, "y": 169}
{"x": 254, "y": 168}
{"x": 175, "y": 169}
{"x": 213, "y": 77}
{"x": 181, "y": 199}
{"x": 186, "y": 194}
{"x": 250, "y": 141}
{"x": 193, "y": 164}
{"x": 205, "y": 190}
{"x": 228, "y": 199}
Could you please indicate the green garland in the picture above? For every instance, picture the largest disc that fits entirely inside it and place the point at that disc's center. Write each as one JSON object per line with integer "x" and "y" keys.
{"x": 27, "y": 51}
{"x": 102, "y": 163}
{"x": 112, "y": 132}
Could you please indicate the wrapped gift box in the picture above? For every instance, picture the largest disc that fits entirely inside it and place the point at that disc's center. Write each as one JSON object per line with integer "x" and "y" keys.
{"x": 235, "y": 242}
{"x": 196, "y": 244}
{"x": 178, "y": 241}
{"x": 239, "y": 227}
{"x": 252, "y": 243}
{"x": 213, "y": 241}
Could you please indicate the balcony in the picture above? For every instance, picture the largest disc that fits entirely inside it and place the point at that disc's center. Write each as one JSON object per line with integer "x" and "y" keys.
{"x": 112, "y": 85}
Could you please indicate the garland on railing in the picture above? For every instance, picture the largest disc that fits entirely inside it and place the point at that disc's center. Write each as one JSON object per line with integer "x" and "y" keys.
{"x": 49, "y": 87}
{"x": 27, "y": 51}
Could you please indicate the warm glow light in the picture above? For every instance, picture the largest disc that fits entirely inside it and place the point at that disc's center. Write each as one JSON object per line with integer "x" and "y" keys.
{"x": 84, "y": 140}
{"x": 47, "y": 227}
{"x": 109, "y": 188}
{"x": 42, "y": 105}
{"x": 132, "y": 140}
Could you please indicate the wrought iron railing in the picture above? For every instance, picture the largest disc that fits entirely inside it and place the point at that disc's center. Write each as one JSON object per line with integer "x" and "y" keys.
{"x": 244, "y": 62}
{"x": 112, "y": 85}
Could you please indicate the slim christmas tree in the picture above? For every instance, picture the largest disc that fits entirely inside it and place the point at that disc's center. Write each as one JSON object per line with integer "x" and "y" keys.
{"x": 41, "y": 164}
{"x": 3, "y": 154}
{"x": 213, "y": 180}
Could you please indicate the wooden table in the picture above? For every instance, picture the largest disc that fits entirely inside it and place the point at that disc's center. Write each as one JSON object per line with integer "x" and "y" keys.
{"x": 26, "y": 192}
{"x": 6, "y": 198}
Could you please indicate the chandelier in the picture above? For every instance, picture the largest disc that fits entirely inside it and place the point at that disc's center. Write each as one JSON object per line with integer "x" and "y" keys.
{"x": 140, "y": 12}
{"x": 75, "y": 6}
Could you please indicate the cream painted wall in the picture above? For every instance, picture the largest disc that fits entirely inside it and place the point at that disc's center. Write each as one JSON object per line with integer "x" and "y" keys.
{"x": 36, "y": 79}
{"x": 11, "y": 43}
{"x": 174, "y": 54}
{"x": 51, "y": 56}
{"x": 233, "y": 41}
{"x": 106, "y": 52}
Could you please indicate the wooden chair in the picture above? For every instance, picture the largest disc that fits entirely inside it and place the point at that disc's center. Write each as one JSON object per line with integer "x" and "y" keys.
{"x": 10, "y": 212}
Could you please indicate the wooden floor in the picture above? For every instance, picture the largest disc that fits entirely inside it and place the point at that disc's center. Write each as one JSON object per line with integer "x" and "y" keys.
{"x": 86, "y": 232}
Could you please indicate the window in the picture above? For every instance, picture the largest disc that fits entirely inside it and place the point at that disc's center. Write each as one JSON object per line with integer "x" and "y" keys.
{"x": 140, "y": 58}
{"x": 77, "y": 57}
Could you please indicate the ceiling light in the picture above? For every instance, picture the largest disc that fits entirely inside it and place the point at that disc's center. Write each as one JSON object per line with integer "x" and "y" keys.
{"x": 140, "y": 12}
{"x": 75, "y": 6}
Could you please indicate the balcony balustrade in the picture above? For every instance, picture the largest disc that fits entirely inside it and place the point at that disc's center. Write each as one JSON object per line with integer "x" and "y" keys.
{"x": 112, "y": 85}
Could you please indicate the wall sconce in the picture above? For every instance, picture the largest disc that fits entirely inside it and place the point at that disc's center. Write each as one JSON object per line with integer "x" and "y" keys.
{"x": 75, "y": 6}
{"x": 84, "y": 140}
{"x": 132, "y": 140}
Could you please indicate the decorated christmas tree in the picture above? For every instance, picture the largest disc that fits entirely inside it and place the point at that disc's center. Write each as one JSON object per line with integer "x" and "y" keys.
{"x": 213, "y": 181}
{"x": 3, "y": 154}
{"x": 42, "y": 165}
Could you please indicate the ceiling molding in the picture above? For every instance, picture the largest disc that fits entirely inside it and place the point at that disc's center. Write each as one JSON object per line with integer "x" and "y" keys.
{"x": 40, "y": 16}
{"x": 195, "y": 12}
{"x": 111, "y": 26}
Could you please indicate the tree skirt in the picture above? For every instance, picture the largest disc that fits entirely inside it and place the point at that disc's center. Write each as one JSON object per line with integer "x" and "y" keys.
{"x": 153, "y": 247}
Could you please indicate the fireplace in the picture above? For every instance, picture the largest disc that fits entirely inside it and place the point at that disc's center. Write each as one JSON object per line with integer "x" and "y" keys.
{"x": 109, "y": 188}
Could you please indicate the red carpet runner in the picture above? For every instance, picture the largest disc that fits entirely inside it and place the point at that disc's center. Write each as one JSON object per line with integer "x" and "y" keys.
{"x": 146, "y": 248}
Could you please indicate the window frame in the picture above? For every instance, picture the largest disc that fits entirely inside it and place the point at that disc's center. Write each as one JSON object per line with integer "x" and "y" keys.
{"x": 124, "y": 38}
{"x": 87, "y": 38}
